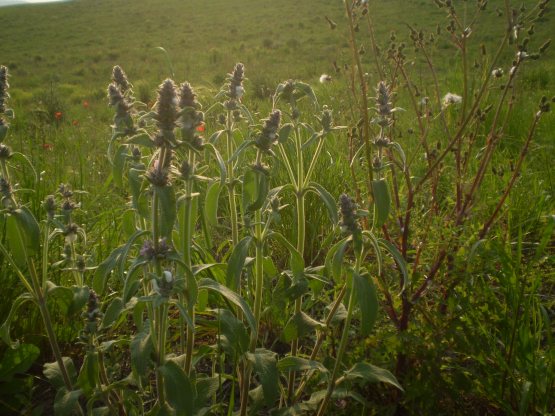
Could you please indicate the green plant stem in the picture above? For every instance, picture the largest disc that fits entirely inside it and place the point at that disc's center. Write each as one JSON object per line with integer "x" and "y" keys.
{"x": 340, "y": 352}
{"x": 43, "y": 308}
{"x": 301, "y": 231}
{"x": 187, "y": 242}
{"x": 314, "y": 160}
{"x": 287, "y": 163}
{"x": 161, "y": 356}
{"x": 319, "y": 341}
{"x": 160, "y": 313}
{"x": 52, "y": 339}
{"x": 104, "y": 378}
{"x": 78, "y": 276}
{"x": 364, "y": 102}
{"x": 231, "y": 182}
{"x": 259, "y": 284}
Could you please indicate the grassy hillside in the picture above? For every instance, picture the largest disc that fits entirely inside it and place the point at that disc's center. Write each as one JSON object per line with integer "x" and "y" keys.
{"x": 75, "y": 44}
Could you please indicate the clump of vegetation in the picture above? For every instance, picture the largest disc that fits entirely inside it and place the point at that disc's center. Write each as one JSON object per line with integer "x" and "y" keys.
{"x": 244, "y": 275}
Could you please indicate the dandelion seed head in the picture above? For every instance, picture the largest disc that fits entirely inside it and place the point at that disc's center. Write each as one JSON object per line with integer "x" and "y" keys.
{"x": 451, "y": 98}
{"x": 324, "y": 78}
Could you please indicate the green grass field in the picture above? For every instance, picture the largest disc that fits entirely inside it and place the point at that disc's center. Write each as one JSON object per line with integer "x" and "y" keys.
{"x": 479, "y": 338}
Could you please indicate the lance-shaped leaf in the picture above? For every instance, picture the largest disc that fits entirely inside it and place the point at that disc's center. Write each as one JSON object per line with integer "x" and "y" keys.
{"x": 376, "y": 246}
{"x": 141, "y": 139}
{"x": 168, "y": 210}
{"x": 17, "y": 361}
{"x": 299, "y": 364}
{"x": 89, "y": 375}
{"x": 80, "y": 298}
{"x": 255, "y": 190}
{"x": 219, "y": 160}
{"x": 180, "y": 392}
{"x": 141, "y": 348}
{"x": 334, "y": 258}
{"x": 303, "y": 89}
{"x": 234, "y": 338}
{"x": 327, "y": 199}
{"x": 53, "y": 373}
{"x": 66, "y": 403}
{"x": 296, "y": 259}
{"x": 5, "y": 328}
{"x": 382, "y": 202}
{"x": 62, "y": 296}
{"x": 23, "y": 234}
{"x": 284, "y": 132}
{"x": 397, "y": 147}
{"x": 399, "y": 260}
{"x": 112, "y": 313}
{"x": 299, "y": 325}
{"x": 367, "y": 299}
{"x": 264, "y": 364}
{"x": 118, "y": 165}
{"x": 370, "y": 374}
{"x": 236, "y": 262}
{"x": 233, "y": 297}
{"x": 211, "y": 203}
{"x": 215, "y": 136}
{"x": 241, "y": 148}
{"x": 135, "y": 178}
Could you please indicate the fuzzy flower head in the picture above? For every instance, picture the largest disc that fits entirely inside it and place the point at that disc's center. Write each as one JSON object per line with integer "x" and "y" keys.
{"x": 236, "y": 78}
{"x": 120, "y": 79}
{"x": 117, "y": 101}
{"x": 6, "y": 194}
{"x": 3, "y": 88}
{"x": 5, "y": 152}
{"x": 158, "y": 177}
{"x": 325, "y": 78}
{"x": 269, "y": 134}
{"x": 349, "y": 217}
{"x": 163, "y": 285}
{"x": 187, "y": 96}
{"x": 70, "y": 232}
{"x": 384, "y": 106}
{"x": 49, "y": 205}
{"x": 451, "y": 98}
{"x": 327, "y": 119}
{"x": 497, "y": 72}
{"x": 92, "y": 317}
{"x": 191, "y": 120}
{"x": 150, "y": 252}
{"x": 166, "y": 106}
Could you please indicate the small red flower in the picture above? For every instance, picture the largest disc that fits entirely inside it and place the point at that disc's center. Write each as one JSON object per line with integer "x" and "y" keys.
{"x": 85, "y": 104}
{"x": 58, "y": 115}
{"x": 75, "y": 122}
{"x": 201, "y": 127}
{"x": 47, "y": 146}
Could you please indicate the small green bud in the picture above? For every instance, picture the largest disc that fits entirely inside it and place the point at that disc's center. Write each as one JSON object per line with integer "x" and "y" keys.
{"x": 5, "y": 152}
{"x": 49, "y": 206}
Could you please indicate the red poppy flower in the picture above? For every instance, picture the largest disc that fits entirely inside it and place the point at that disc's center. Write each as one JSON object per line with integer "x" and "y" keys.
{"x": 58, "y": 115}
{"x": 201, "y": 127}
{"x": 47, "y": 146}
{"x": 75, "y": 122}
{"x": 85, "y": 104}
